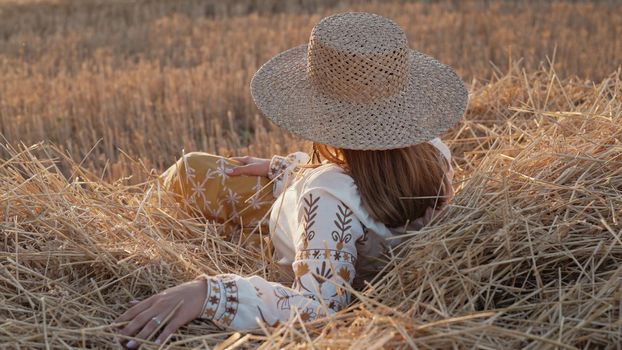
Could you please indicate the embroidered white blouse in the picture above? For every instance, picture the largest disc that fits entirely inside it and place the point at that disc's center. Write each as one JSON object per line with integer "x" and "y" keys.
{"x": 318, "y": 227}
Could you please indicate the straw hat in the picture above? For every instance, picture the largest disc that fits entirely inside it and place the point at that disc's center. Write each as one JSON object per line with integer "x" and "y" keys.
{"x": 357, "y": 85}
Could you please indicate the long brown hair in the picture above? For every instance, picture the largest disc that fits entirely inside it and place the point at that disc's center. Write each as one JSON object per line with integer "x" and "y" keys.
{"x": 396, "y": 186}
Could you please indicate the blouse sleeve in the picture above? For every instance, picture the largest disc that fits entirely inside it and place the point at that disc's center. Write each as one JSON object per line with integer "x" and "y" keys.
{"x": 323, "y": 269}
{"x": 281, "y": 169}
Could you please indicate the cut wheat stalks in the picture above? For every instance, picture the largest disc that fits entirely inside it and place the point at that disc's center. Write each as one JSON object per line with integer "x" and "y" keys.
{"x": 529, "y": 254}
{"x": 153, "y": 77}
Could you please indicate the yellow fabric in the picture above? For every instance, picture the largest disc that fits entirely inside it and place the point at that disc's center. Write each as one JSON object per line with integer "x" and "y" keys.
{"x": 202, "y": 188}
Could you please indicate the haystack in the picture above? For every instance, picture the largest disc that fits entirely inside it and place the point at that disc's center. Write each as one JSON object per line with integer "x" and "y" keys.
{"x": 528, "y": 256}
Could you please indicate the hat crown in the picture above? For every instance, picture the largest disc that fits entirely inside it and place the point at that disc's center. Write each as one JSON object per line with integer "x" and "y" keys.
{"x": 358, "y": 57}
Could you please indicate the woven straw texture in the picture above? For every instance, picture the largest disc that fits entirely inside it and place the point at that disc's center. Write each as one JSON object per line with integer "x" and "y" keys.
{"x": 357, "y": 85}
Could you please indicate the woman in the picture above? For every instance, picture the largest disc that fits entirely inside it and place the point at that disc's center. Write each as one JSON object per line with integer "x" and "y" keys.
{"x": 373, "y": 108}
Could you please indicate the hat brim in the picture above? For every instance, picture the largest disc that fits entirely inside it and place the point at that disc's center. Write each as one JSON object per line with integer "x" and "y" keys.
{"x": 432, "y": 101}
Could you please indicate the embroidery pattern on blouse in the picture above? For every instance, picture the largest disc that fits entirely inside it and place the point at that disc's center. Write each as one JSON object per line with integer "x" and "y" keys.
{"x": 283, "y": 297}
{"x": 281, "y": 168}
{"x": 323, "y": 273}
{"x": 278, "y": 165}
{"x": 213, "y": 299}
{"x": 320, "y": 254}
{"x": 231, "y": 301}
{"x": 222, "y": 288}
{"x": 343, "y": 223}
{"x": 308, "y": 314}
{"x": 310, "y": 212}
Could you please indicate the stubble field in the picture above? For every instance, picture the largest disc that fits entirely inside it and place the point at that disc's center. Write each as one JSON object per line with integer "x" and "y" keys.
{"x": 528, "y": 256}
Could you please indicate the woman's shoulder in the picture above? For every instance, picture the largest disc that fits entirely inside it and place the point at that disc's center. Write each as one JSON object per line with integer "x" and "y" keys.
{"x": 329, "y": 177}
{"x": 332, "y": 180}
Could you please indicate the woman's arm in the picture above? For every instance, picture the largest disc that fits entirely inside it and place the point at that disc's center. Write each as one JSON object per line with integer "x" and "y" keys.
{"x": 182, "y": 302}
{"x": 252, "y": 166}
{"x": 279, "y": 169}
{"x": 323, "y": 268}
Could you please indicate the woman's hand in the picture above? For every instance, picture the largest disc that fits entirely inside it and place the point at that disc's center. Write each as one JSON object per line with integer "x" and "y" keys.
{"x": 252, "y": 166}
{"x": 169, "y": 309}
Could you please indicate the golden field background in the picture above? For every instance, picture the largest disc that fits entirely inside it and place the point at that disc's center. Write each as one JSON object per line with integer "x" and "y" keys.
{"x": 154, "y": 77}
{"x": 527, "y": 256}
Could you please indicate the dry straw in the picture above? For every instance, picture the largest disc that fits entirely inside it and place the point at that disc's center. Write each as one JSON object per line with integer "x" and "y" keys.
{"x": 528, "y": 256}
{"x": 151, "y": 77}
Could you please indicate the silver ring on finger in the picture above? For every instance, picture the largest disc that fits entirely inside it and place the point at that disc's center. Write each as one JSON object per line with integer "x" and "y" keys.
{"x": 156, "y": 320}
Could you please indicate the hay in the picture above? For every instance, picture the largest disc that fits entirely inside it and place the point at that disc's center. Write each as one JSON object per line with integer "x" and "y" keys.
{"x": 528, "y": 256}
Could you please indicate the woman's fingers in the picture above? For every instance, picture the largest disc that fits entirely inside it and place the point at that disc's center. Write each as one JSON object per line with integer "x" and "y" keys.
{"x": 140, "y": 321}
{"x": 138, "y": 307}
{"x": 250, "y": 166}
{"x": 170, "y": 327}
{"x": 243, "y": 160}
{"x": 153, "y": 324}
{"x": 240, "y": 170}
{"x": 172, "y": 307}
{"x": 253, "y": 169}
